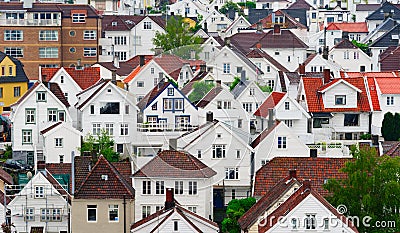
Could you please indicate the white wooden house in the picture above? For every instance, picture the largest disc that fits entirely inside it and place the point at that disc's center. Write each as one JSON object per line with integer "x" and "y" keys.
{"x": 238, "y": 24}
{"x": 215, "y": 21}
{"x": 350, "y": 57}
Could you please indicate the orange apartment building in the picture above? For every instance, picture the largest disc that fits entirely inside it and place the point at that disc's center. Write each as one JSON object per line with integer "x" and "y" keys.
{"x": 49, "y": 34}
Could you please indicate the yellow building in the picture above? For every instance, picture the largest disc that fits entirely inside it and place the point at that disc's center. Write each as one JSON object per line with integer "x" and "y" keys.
{"x": 13, "y": 81}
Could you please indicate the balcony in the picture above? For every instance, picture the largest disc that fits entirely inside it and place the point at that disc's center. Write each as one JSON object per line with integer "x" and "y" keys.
{"x": 30, "y": 22}
{"x": 161, "y": 127}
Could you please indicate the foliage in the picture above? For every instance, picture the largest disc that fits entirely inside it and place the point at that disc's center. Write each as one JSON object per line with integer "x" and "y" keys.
{"x": 362, "y": 46}
{"x": 177, "y": 35}
{"x": 103, "y": 144}
{"x": 371, "y": 189}
{"x": 229, "y": 6}
{"x": 366, "y": 136}
{"x": 265, "y": 88}
{"x": 234, "y": 83}
{"x": 7, "y": 227}
{"x": 236, "y": 209}
{"x": 247, "y": 4}
{"x": 8, "y": 152}
{"x": 200, "y": 89}
{"x": 391, "y": 126}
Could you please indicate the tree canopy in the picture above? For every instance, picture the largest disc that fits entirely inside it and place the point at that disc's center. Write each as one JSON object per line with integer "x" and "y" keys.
{"x": 102, "y": 144}
{"x": 236, "y": 209}
{"x": 229, "y": 6}
{"x": 391, "y": 126}
{"x": 371, "y": 191}
{"x": 200, "y": 89}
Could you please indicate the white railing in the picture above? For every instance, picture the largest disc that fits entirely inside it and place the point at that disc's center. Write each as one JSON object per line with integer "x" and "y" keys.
{"x": 30, "y": 22}
{"x": 160, "y": 127}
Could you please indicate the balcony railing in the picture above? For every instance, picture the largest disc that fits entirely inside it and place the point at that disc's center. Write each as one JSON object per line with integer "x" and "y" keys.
{"x": 160, "y": 127}
{"x": 30, "y": 22}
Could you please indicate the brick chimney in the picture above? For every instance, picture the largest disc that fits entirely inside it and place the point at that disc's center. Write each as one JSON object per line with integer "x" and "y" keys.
{"x": 292, "y": 174}
{"x": 307, "y": 185}
{"x": 302, "y": 69}
{"x": 141, "y": 60}
{"x": 258, "y": 45}
{"x": 327, "y": 76}
{"x": 169, "y": 198}
{"x": 277, "y": 29}
{"x": 218, "y": 83}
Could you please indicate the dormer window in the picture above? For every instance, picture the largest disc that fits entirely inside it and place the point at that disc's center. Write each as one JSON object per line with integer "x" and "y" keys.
{"x": 340, "y": 100}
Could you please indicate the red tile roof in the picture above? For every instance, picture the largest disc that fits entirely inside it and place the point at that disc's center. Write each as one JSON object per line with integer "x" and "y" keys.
{"x": 125, "y": 68}
{"x": 369, "y": 74}
{"x": 84, "y": 78}
{"x": 312, "y": 87}
{"x": 292, "y": 202}
{"x": 246, "y": 40}
{"x": 348, "y": 27}
{"x": 389, "y": 85}
{"x": 132, "y": 74}
{"x": 259, "y": 53}
{"x": 263, "y": 135}
{"x": 272, "y": 100}
{"x": 391, "y": 148}
{"x": 104, "y": 182}
{"x": 315, "y": 169}
{"x": 300, "y": 4}
{"x": 56, "y": 90}
{"x": 373, "y": 93}
{"x": 176, "y": 164}
{"x": 209, "y": 97}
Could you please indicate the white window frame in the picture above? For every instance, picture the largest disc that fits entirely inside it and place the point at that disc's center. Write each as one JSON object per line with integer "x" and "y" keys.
{"x": 13, "y": 35}
{"x": 89, "y": 52}
{"x": 146, "y": 187}
{"x": 90, "y": 35}
{"x": 282, "y": 142}
{"x": 215, "y": 148}
{"x": 48, "y": 52}
{"x": 58, "y": 142}
{"x": 96, "y": 128}
{"x": 193, "y": 188}
{"x": 160, "y": 187}
{"x": 109, "y": 128}
{"x": 91, "y": 207}
{"x": 16, "y": 52}
{"x": 389, "y": 100}
{"x": 111, "y": 209}
{"x": 78, "y": 18}
{"x": 178, "y": 187}
{"x": 48, "y": 35}
{"x": 229, "y": 170}
{"x": 124, "y": 129}
{"x": 39, "y": 191}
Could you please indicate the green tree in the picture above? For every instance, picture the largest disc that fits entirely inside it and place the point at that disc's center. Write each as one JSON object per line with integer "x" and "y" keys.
{"x": 388, "y": 129}
{"x": 236, "y": 209}
{"x": 177, "y": 34}
{"x": 364, "y": 47}
{"x": 371, "y": 189}
{"x": 247, "y": 4}
{"x": 103, "y": 144}
{"x": 229, "y": 6}
{"x": 234, "y": 83}
{"x": 200, "y": 89}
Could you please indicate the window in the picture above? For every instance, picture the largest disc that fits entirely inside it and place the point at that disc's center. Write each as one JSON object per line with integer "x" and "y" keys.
{"x": 362, "y": 68}
{"x": 176, "y": 225}
{"x": 294, "y": 223}
{"x": 390, "y": 100}
{"x": 159, "y": 207}
{"x": 289, "y": 123}
{"x": 238, "y": 154}
{"x": 48, "y": 52}
{"x": 178, "y": 187}
{"x": 287, "y": 105}
{"x": 124, "y": 129}
{"x": 96, "y": 128}
{"x": 271, "y": 84}
{"x": 154, "y": 106}
{"x": 91, "y": 213}
{"x": 29, "y": 214}
{"x": 13, "y": 35}
{"x": 109, "y": 129}
{"x": 120, "y": 148}
{"x": 41, "y": 96}
{"x": 137, "y": 40}
{"x": 160, "y": 187}
{"x": 78, "y": 18}
{"x": 218, "y": 151}
{"x": 326, "y": 223}
{"x": 92, "y": 109}
{"x": 30, "y": 116}
{"x": 240, "y": 123}
{"x": 233, "y": 192}
{"x": 52, "y": 115}
{"x": 346, "y": 55}
{"x": 89, "y": 35}
{"x": 48, "y": 35}
{"x": 288, "y": 58}
{"x": 14, "y": 52}
{"x": 26, "y": 136}
{"x": 199, "y": 154}
{"x": 140, "y": 84}
{"x": 192, "y": 187}
{"x": 281, "y": 142}
{"x": 113, "y": 213}
{"x": 182, "y": 121}
{"x": 89, "y": 52}
{"x": 120, "y": 40}
{"x": 170, "y": 91}
{"x": 351, "y": 119}
{"x": 248, "y": 107}
{"x": 147, "y": 25}
{"x": 61, "y": 157}
{"x": 232, "y": 173}
{"x": 50, "y": 215}
{"x": 356, "y": 55}
{"x": 146, "y": 209}
{"x": 17, "y": 91}
{"x": 1, "y": 92}
{"x": 239, "y": 69}
{"x": 206, "y": 55}
{"x": 340, "y": 100}
{"x": 39, "y": 191}
{"x": 310, "y": 221}
{"x": 192, "y": 208}
{"x": 227, "y": 68}
{"x": 121, "y": 55}
{"x": 109, "y": 108}
{"x": 127, "y": 109}
{"x": 252, "y": 91}
{"x": 146, "y": 187}
{"x": 58, "y": 142}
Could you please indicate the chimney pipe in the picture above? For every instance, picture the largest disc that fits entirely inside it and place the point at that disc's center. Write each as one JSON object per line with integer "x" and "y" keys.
{"x": 292, "y": 174}
{"x": 203, "y": 68}
{"x": 270, "y": 117}
{"x": 116, "y": 61}
{"x": 228, "y": 42}
{"x": 114, "y": 76}
{"x": 243, "y": 76}
{"x": 173, "y": 144}
{"x": 205, "y": 27}
{"x": 209, "y": 116}
{"x": 345, "y": 35}
{"x": 277, "y": 29}
{"x": 169, "y": 198}
{"x": 141, "y": 60}
{"x": 302, "y": 69}
{"x": 218, "y": 83}
{"x": 327, "y": 76}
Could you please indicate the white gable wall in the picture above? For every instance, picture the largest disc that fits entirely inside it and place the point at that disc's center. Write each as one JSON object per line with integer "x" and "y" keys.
{"x": 340, "y": 89}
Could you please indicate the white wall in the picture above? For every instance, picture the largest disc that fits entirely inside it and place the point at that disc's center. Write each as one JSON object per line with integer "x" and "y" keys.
{"x": 340, "y": 89}
{"x": 297, "y": 56}
{"x": 351, "y": 64}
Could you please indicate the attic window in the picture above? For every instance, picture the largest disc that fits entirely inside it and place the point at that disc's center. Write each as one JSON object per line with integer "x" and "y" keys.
{"x": 114, "y": 23}
{"x": 104, "y": 177}
{"x": 109, "y": 90}
{"x": 340, "y": 100}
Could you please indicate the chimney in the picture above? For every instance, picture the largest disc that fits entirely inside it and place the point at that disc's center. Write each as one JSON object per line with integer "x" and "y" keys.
{"x": 339, "y": 3}
{"x": 169, "y": 198}
{"x": 259, "y": 27}
{"x": 258, "y": 45}
{"x": 270, "y": 117}
{"x": 173, "y": 144}
{"x": 203, "y": 68}
{"x": 141, "y": 60}
{"x": 218, "y": 83}
{"x": 27, "y": 4}
{"x": 209, "y": 116}
{"x": 158, "y": 51}
{"x": 44, "y": 78}
{"x": 292, "y": 174}
{"x": 345, "y": 35}
{"x": 228, "y": 42}
{"x": 327, "y": 76}
{"x": 307, "y": 185}
{"x": 313, "y": 153}
{"x": 40, "y": 73}
{"x": 243, "y": 76}
{"x": 302, "y": 69}
{"x": 78, "y": 63}
{"x": 114, "y": 76}
{"x": 116, "y": 62}
{"x": 277, "y": 29}
{"x": 41, "y": 165}
{"x": 205, "y": 27}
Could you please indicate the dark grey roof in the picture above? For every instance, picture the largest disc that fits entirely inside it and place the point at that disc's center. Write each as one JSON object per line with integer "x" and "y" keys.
{"x": 300, "y": 14}
{"x": 386, "y": 8}
{"x": 239, "y": 88}
{"x": 294, "y": 77}
{"x": 367, "y": 7}
{"x": 383, "y": 27}
{"x": 246, "y": 60}
{"x": 20, "y": 73}
{"x": 386, "y": 39}
{"x": 256, "y": 14}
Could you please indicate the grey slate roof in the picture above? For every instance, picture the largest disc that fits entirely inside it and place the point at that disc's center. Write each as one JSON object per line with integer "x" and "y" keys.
{"x": 239, "y": 88}
{"x": 386, "y": 39}
{"x": 256, "y": 14}
{"x": 246, "y": 60}
{"x": 20, "y": 73}
{"x": 387, "y": 7}
{"x": 388, "y": 24}
{"x": 300, "y": 14}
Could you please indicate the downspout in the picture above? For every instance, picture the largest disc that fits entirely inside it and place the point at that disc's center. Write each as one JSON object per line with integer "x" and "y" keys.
{"x": 124, "y": 203}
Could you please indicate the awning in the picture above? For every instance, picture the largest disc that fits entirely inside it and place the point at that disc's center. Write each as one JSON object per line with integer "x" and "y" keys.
{"x": 321, "y": 114}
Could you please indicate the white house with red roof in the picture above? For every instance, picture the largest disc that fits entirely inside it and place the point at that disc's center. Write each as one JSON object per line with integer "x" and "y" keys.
{"x": 105, "y": 106}
{"x": 189, "y": 177}
{"x": 43, "y": 105}
{"x": 225, "y": 149}
{"x": 350, "y": 57}
{"x": 72, "y": 80}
